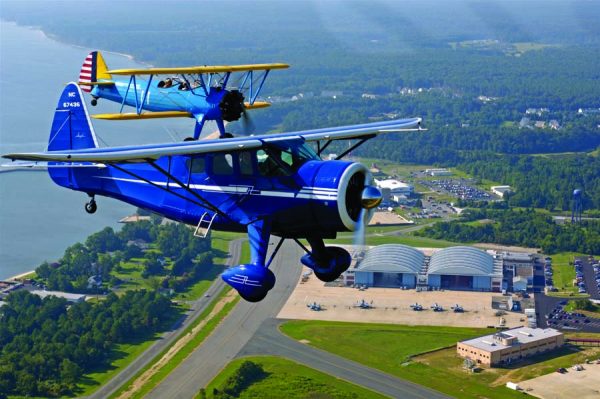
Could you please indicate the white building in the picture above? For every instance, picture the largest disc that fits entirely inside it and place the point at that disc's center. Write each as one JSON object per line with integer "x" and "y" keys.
{"x": 438, "y": 172}
{"x": 500, "y": 190}
{"x": 395, "y": 186}
{"x": 66, "y": 295}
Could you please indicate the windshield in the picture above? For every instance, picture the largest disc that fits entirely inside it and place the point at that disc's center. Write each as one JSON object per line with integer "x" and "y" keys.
{"x": 282, "y": 155}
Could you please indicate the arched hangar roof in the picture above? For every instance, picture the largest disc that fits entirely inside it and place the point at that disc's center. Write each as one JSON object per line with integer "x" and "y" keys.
{"x": 462, "y": 261}
{"x": 392, "y": 258}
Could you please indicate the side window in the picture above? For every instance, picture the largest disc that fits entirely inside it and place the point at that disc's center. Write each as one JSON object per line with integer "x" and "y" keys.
{"x": 246, "y": 168}
{"x": 222, "y": 164}
{"x": 196, "y": 165}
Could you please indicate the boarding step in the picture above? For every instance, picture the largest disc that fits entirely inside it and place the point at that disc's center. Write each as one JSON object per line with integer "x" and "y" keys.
{"x": 204, "y": 225}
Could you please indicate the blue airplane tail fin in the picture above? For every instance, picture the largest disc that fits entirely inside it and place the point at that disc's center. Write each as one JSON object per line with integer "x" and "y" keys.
{"x": 71, "y": 127}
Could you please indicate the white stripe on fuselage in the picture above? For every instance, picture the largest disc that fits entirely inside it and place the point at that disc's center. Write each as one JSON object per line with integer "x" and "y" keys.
{"x": 319, "y": 193}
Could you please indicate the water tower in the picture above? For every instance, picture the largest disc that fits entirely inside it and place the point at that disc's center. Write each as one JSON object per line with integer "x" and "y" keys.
{"x": 577, "y": 205}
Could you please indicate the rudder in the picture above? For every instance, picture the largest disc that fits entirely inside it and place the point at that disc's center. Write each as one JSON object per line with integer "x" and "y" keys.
{"x": 71, "y": 127}
{"x": 93, "y": 68}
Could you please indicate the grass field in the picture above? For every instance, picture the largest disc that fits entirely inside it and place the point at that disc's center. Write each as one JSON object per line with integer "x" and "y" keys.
{"x": 290, "y": 380}
{"x": 412, "y": 241}
{"x": 410, "y": 352}
{"x": 564, "y": 274}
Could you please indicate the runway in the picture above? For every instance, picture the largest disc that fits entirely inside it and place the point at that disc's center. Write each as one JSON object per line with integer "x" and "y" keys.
{"x": 269, "y": 341}
{"x": 197, "y": 307}
{"x": 251, "y": 329}
{"x": 233, "y": 333}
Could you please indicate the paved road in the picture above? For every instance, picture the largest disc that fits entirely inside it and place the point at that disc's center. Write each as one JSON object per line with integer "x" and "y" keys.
{"x": 196, "y": 308}
{"x": 269, "y": 341}
{"x": 233, "y": 333}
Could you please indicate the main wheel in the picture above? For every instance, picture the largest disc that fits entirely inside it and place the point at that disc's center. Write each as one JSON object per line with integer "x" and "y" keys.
{"x": 256, "y": 297}
{"x": 91, "y": 207}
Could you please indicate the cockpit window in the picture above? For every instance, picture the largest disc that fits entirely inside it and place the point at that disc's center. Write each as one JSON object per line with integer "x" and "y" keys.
{"x": 282, "y": 158}
{"x": 245, "y": 159}
{"x": 222, "y": 164}
{"x": 196, "y": 165}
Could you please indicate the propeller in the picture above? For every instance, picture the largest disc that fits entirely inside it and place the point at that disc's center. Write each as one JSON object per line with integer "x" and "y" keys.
{"x": 370, "y": 198}
{"x": 248, "y": 125}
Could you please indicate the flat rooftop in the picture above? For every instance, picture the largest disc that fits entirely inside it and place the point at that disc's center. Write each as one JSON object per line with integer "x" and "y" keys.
{"x": 66, "y": 295}
{"x": 524, "y": 335}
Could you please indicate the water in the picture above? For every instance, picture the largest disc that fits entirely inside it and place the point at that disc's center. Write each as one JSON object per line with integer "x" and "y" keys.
{"x": 38, "y": 219}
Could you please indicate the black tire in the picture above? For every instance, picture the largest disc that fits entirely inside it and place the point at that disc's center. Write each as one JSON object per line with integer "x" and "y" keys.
{"x": 189, "y": 139}
{"x": 94, "y": 102}
{"x": 327, "y": 277}
{"x": 91, "y": 207}
{"x": 256, "y": 297}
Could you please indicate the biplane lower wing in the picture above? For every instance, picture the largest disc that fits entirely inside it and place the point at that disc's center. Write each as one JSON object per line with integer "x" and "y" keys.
{"x": 146, "y": 153}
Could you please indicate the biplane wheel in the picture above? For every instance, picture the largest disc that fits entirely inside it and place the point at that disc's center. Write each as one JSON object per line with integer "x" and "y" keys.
{"x": 94, "y": 101}
{"x": 189, "y": 138}
{"x": 91, "y": 207}
{"x": 226, "y": 135}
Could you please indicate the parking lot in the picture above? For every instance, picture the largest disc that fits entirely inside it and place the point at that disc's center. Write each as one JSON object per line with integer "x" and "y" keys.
{"x": 581, "y": 384}
{"x": 459, "y": 188}
{"x": 587, "y": 272}
{"x": 551, "y": 313}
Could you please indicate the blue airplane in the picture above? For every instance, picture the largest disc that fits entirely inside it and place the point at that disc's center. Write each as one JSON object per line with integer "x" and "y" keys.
{"x": 263, "y": 185}
{"x": 200, "y": 92}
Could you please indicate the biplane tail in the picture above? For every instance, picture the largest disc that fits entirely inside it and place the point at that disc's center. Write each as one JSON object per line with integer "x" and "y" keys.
{"x": 93, "y": 69}
{"x": 71, "y": 127}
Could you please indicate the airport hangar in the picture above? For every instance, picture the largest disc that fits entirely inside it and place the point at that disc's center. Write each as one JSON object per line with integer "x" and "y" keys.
{"x": 454, "y": 268}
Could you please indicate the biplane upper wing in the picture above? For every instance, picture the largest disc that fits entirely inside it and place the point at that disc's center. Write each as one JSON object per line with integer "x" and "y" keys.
{"x": 146, "y": 153}
{"x": 199, "y": 69}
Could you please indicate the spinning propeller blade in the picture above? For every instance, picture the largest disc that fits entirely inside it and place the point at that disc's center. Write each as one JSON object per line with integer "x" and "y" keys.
{"x": 370, "y": 198}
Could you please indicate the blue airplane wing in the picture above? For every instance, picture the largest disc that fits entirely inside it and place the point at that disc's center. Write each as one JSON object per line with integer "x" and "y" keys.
{"x": 145, "y": 153}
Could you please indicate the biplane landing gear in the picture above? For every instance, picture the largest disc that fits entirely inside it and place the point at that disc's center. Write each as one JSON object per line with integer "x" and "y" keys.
{"x": 94, "y": 101}
{"x": 91, "y": 206}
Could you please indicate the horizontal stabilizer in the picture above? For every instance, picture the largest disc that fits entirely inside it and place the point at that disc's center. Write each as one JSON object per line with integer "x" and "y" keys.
{"x": 144, "y": 115}
{"x": 103, "y": 83}
{"x": 257, "y": 105}
{"x": 199, "y": 69}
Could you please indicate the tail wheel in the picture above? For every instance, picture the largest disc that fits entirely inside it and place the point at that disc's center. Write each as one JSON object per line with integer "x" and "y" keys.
{"x": 91, "y": 207}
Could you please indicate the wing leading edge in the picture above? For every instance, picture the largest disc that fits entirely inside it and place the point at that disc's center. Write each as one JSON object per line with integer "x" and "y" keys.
{"x": 145, "y": 153}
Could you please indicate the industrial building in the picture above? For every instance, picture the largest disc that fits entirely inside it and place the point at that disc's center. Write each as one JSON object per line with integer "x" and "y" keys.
{"x": 395, "y": 187}
{"x": 458, "y": 268}
{"x": 509, "y": 346}
{"x": 390, "y": 265}
{"x": 464, "y": 268}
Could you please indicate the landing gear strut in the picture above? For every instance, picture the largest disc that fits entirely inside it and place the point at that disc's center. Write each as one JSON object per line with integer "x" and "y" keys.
{"x": 91, "y": 207}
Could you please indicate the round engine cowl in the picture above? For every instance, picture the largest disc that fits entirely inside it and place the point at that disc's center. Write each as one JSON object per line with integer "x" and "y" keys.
{"x": 350, "y": 188}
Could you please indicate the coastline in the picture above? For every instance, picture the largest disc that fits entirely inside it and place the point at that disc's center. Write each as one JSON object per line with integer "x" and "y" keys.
{"x": 20, "y": 276}
{"x": 57, "y": 39}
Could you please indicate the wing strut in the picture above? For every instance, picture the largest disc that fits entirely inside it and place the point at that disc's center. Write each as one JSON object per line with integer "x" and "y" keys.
{"x": 130, "y": 173}
{"x": 355, "y": 146}
{"x": 189, "y": 190}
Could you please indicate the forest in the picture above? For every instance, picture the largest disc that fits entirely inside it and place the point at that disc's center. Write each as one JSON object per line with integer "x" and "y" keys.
{"x": 104, "y": 251}
{"x": 518, "y": 227}
{"x": 47, "y": 344}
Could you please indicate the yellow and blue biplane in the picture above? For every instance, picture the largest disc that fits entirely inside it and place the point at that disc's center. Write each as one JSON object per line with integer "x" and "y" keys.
{"x": 200, "y": 92}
